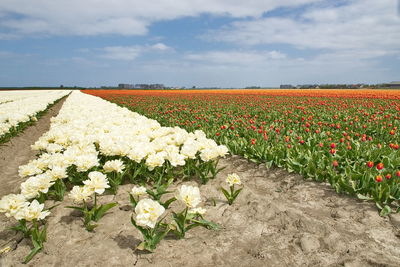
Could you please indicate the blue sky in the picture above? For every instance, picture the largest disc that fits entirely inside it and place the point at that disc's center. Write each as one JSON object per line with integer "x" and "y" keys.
{"x": 224, "y": 43}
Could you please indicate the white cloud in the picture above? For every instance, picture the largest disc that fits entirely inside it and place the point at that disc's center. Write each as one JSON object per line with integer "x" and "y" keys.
{"x": 129, "y": 53}
{"x": 160, "y": 46}
{"x": 236, "y": 57}
{"x": 124, "y": 17}
{"x": 359, "y": 27}
{"x": 121, "y": 52}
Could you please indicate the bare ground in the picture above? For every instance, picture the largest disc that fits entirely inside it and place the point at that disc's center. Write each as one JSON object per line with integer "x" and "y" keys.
{"x": 279, "y": 219}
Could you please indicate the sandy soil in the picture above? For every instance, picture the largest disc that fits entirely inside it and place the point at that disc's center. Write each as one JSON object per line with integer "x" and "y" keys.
{"x": 279, "y": 219}
{"x": 17, "y": 151}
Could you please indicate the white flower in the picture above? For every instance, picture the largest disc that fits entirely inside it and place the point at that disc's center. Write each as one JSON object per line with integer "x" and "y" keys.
{"x": 57, "y": 172}
{"x": 209, "y": 154}
{"x": 176, "y": 159}
{"x": 138, "y": 191}
{"x": 222, "y": 150}
{"x": 114, "y": 166}
{"x": 198, "y": 210}
{"x": 32, "y": 212}
{"x": 28, "y": 170}
{"x": 190, "y": 149}
{"x": 81, "y": 193}
{"x": 85, "y": 162}
{"x": 155, "y": 160}
{"x": 233, "y": 179}
{"x": 147, "y": 212}
{"x": 97, "y": 182}
{"x": 190, "y": 195}
{"x": 11, "y": 204}
{"x": 138, "y": 152}
{"x": 200, "y": 134}
{"x": 29, "y": 189}
{"x": 36, "y": 184}
{"x": 43, "y": 182}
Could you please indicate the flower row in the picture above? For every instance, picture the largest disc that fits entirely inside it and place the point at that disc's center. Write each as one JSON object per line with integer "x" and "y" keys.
{"x": 19, "y": 109}
{"x": 94, "y": 145}
{"x": 10, "y": 96}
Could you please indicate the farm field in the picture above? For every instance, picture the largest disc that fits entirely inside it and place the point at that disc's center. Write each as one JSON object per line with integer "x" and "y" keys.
{"x": 94, "y": 155}
{"x": 349, "y": 138}
{"x": 20, "y": 109}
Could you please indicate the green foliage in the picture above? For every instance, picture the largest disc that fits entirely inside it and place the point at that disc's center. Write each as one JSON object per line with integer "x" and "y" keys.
{"x": 294, "y": 133}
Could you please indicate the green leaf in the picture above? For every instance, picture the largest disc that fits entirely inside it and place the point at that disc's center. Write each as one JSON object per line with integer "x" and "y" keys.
{"x": 168, "y": 202}
{"x": 209, "y": 225}
{"x": 362, "y": 197}
{"x": 90, "y": 227}
{"x": 385, "y": 211}
{"x": 43, "y": 233}
{"x": 226, "y": 193}
{"x": 132, "y": 200}
{"x": 236, "y": 193}
{"x": 76, "y": 208}
{"x": 99, "y": 212}
{"x": 33, "y": 252}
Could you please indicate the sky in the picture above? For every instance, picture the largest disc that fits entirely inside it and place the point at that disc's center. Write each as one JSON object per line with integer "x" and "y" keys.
{"x": 203, "y": 43}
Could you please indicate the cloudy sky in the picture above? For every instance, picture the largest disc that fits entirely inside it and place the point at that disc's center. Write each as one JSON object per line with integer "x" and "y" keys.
{"x": 225, "y": 43}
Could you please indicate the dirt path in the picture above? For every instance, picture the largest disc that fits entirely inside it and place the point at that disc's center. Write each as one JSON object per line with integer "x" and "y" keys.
{"x": 18, "y": 151}
{"x": 279, "y": 219}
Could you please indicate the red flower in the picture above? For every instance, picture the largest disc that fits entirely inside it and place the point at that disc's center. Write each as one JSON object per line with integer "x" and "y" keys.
{"x": 370, "y": 164}
{"x": 378, "y": 178}
{"x": 392, "y": 132}
{"x": 333, "y": 145}
{"x": 335, "y": 163}
{"x": 332, "y": 151}
{"x": 388, "y": 176}
{"x": 398, "y": 173}
{"x": 301, "y": 142}
{"x": 217, "y": 134}
{"x": 253, "y": 141}
{"x": 380, "y": 166}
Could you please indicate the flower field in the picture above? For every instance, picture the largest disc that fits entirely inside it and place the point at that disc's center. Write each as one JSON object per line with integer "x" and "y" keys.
{"x": 88, "y": 154}
{"x": 19, "y": 108}
{"x": 143, "y": 179}
{"x": 348, "y": 138}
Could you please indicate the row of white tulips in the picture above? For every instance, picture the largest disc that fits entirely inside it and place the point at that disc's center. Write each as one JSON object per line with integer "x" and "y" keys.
{"x": 92, "y": 137}
{"x": 14, "y": 95}
{"x": 19, "y": 109}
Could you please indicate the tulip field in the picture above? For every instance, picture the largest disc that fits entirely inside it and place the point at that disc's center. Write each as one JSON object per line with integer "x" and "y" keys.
{"x": 348, "y": 138}
{"x": 85, "y": 154}
{"x": 128, "y": 174}
{"x": 18, "y": 109}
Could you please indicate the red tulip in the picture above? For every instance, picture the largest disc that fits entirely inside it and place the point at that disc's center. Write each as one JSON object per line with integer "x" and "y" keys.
{"x": 380, "y": 166}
